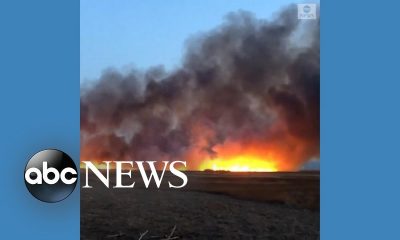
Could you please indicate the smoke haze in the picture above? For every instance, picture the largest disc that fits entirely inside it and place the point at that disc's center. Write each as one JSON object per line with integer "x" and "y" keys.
{"x": 248, "y": 87}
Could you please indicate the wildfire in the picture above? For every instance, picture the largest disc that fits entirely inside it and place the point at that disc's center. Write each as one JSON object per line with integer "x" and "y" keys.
{"x": 250, "y": 114}
{"x": 243, "y": 157}
{"x": 240, "y": 164}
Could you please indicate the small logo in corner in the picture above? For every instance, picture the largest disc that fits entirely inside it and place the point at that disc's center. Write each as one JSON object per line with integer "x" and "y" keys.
{"x": 307, "y": 11}
{"x": 50, "y": 175}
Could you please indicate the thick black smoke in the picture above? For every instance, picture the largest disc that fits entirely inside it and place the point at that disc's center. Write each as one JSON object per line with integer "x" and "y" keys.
{"x": 249, "y": 80}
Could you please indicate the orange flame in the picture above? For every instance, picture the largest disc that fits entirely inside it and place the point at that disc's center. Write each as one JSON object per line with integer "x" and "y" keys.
{"x": 243, "y": 157}
{"x": 244, "y": 163}
{"x": 235, "y": 155}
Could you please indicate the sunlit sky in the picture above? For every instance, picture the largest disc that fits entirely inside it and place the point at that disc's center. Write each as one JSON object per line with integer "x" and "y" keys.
{"x": 128, "y": 33}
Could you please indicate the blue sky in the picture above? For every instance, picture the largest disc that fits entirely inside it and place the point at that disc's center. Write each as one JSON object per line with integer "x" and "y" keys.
{"x": 130, "y": 33}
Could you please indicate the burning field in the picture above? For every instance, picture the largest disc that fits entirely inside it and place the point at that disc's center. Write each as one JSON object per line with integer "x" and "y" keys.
{"x": 243, "y": 111}
{"x": 246, "y": 97}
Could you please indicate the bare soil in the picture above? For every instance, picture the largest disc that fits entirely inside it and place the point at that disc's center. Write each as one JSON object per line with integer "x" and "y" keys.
{"x": 212, "y": 206}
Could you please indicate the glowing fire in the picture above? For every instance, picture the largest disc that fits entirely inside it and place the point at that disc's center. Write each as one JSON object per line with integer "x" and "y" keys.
{"x": 239, "y": 157}
{"x": 240, "y": 164}
{"x": 244, "y": 155}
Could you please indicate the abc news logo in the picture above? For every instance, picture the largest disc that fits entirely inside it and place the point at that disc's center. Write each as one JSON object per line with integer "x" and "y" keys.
{"x": 51, "y": 175}
{"x": 307, "y": 11}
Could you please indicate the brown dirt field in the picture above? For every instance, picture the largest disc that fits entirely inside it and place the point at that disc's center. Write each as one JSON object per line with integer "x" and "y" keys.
{"x": 214, "y": 205}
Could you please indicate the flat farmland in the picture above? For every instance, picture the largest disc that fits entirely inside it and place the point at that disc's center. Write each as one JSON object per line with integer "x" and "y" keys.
{"x": 214, "y": 205}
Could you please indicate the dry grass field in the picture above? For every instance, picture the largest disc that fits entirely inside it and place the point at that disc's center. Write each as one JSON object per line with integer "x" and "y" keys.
{"x": 214, "y": 205}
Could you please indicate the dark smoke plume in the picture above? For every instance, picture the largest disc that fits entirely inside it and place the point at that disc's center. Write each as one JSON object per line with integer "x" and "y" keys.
{"x": 251, "y": 82}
